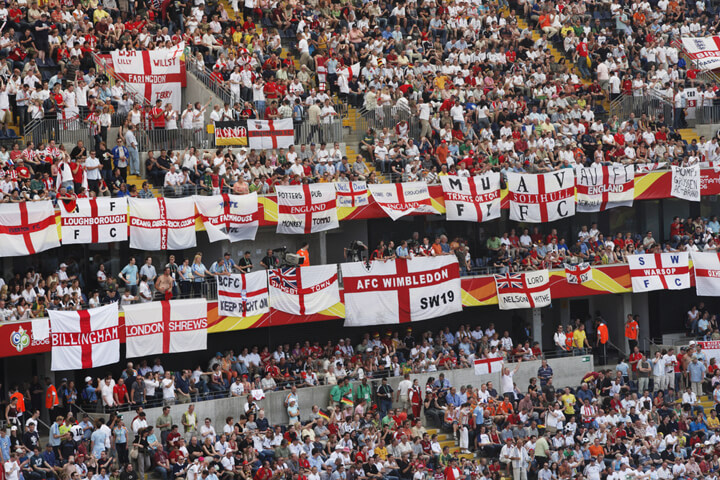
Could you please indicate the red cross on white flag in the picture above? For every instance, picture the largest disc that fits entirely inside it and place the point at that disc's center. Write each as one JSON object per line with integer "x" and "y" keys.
{"x": 27, "y": 228}
{"x": 162, "y": 223}
{"x": 541, "y": 198}
{"x": 400, "y": 199}
{"x": 95, "y": 220}
{"x": 85, "y": 338}
{"x": 306, "y": 208}
{"x": 268, "y": 134}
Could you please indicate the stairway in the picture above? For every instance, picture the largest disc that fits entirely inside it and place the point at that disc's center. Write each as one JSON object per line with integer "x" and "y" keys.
{"x": 446, "y": 440}
{"x": 138, "y": 181}
{"x": 688, "y": 134}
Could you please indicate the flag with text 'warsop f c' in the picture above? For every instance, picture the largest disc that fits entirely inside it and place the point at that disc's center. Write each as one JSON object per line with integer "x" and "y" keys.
{"x": 95, "y": 220}
{"x": 85, "y": 338}
{"x": 400, "y": 291}
{"x": 472, "y": 199}
{"x": 269, "y": 134}
{"x": 229, "y": 217}
{"x": 543, "y": 197}
{"x": 27, "y": 228}
{"x": 706, "y": 266}
{"x": 172, "y": 326}
{"x": 659, "y": 271}
{"x": 306, "y": 208}
{"x": 400, "y": 199}
{"x": 162, "y": 223}
{"x": 304, "y": 290}
{"x": 483, "y": 366}
{"x": 523, "y": 290}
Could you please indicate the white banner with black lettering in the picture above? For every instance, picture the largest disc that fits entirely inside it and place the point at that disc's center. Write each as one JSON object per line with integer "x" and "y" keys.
{"x": 400, "y": 199}
{"x": 229, "y": 217}
{"x": 659, "y": 271}
{"x": 604, "y": 187}
{"x": 306, "y": 208}
{"x": 473, "y": 199}
{"x": 162, "y": 223}
{"x": 95, "y": 220}
{"x": 243, "y": 295}
{"x": 541, "y": 198}
{"x": 686, "y": 183}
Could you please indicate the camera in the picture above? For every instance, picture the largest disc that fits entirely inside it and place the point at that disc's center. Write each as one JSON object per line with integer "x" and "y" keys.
{"x": 354, "y": 252}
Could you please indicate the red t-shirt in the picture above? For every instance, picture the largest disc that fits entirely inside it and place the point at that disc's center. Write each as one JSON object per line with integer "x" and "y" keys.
{"x": 121, "y": 392}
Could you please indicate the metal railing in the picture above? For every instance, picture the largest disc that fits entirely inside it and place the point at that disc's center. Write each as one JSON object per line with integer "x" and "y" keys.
{"x": 387, "y": 116}
{"x": 321, "y": 133}
{"x": 651, "y": 104}
{"x": 63, "y": 131}
{"x": 707, "y": 115}
{"x": 201, "y": 72}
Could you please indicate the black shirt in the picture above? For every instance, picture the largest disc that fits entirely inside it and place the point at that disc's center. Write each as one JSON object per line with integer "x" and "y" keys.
{"x": 271, "y": 261}
{"x": 245, "y": 262}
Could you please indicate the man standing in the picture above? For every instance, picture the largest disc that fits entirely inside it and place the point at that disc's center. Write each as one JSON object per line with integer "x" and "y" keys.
{"x": 384, "y": 395}
{"x": 631, "y": 331}
{"x": 189, "y": 421}
{"x": 601, "y": 339}
{"x": 304, "y": 254}
{"x": 129, "y": 275}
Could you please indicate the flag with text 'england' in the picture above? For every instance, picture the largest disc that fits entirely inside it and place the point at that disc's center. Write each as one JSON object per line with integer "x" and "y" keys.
{"x": 304, "y": 290}
{"x": 269, "y": 134}
{"x": 27, "y": 228}
{"x": 400, "y": 199}
{"x": 473, "y": 199}
{"x": 172, "y": 326}
{"x": 162, "y": 223}
{"x": 706, "y": 266}
{"x": 578, "y": 274}
{"x": 352, "y": 194}
{"x": 543, "y": 197}
{"x": 243, "y": 294}
{"x": 95, "y": 220}
{"x": 659, "y": 271}
{"x": 84, "y": 339}
{"x": 523, "y": 290}
{"x": 483, "y": 366}
{"x": 306, "y": 208}
{"x": 229, "y": 217}
{"x": 604, "y": 187}
{"x": 400, "y": 290}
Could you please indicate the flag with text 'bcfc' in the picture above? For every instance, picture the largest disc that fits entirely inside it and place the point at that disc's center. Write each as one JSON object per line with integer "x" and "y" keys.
{"x": 95, "y": 220}
{"x": 400, "y": 290}
{"x": 542, "y": 197}
{"x": 604, "y": 187}
{"x": 243, "y": 294}
{"x": 229, "y": 217}
{"x": 304, "y": 290}
{"x": 659, "y": 271}
{"x": 400, "y": 199}
{"x": 523, "y": 290}
{"x": 472, "y": 199}
{"x": 84, "y": 339}
{"x": 27, "y": 228}
{"x": 306, "y": 208}
{"x": 162, "y": 223}
{"x": 706, "y": 266}
{"x": 170, "y": 326}
{"x": 483, "y": 366}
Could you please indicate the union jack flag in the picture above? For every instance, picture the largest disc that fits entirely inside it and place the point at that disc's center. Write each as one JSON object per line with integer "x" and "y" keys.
{"x": 285, "y": 278}
{"x": 509, "y": 280}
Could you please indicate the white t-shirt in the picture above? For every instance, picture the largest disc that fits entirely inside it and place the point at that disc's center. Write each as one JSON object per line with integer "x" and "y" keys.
{"x": 106, "y": 392}
{"x": 168, "y": 388}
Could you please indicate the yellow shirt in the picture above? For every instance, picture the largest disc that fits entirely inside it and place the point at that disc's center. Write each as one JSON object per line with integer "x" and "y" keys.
{"x": 579, "y": 339}
{"x": 100, "y": 14}
{"x": 381, "y": 452}
{"x": 568, "y": 400}
{"x": 712, "y": 422}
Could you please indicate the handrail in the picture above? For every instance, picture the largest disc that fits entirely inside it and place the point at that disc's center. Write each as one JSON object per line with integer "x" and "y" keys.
{"x": 201, "y": 72}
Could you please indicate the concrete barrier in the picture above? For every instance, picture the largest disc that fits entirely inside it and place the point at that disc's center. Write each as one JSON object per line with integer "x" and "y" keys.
{"x": 567, "y": 371}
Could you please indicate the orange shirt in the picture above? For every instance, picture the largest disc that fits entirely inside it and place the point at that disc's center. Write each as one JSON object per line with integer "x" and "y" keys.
{"x": 596, "y": 450}
{"x": 602, "y": 333}
{"x": 51, "y": 397}
{"x": 631, "y": 330}
{"x": 20, "y": 402}
{"x": 305, "y": 255}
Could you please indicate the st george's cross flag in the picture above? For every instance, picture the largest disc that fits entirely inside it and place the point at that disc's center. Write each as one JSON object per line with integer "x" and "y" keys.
{"x": 352, "y": 194}
{"x": 270, "y": 134}
{"x": 706, "y": 266}
{"x": 27, "y": 228}
{"x": 472, "y": 199}
{"x": 604, "y": 187}
{"x": 400, "y": 199}
{"x": 542, "y": 197}
{"x": 243, "y": 294}
{"x": 95, "y": 220}
{"x": 659, "y": 271}
{"x": 229, "y": 217}
{"x": 170, "y": 326}
{"x": 401, "y": 290}
{"x": 303, "y": 290}
{"x": 162, "y": 223}
{"x": 351, "y": 72}
{"x": 523, "y": 290}
{"x": 483, "y": 366}
{"x": 306, "y": 208}
{"x": 84, "y": 339}
{"x": 578, "y": 274}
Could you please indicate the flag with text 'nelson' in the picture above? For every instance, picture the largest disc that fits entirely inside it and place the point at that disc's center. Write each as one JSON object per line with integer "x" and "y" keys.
{"x": 243, "y": 294}
{"x": 604, "y": 187}
{"x": 523, "y": 290}
{"x": 270, "y": 134}
{"x": 306, "y": 208}
{"x": 472, "y": 199}
{"x": 659, "y": 271}
{"x": 303, "y": 290}
{"x": 483, "y": 366}
{"x": 400, "y": 290}
{"x": 229, "y": 217}
{"x": 84, "y": 339}
{"x": 95, "y": 220}
{"x": 27, "y": 228}
{"x": 162, "y": 223}
{"x": 706, "y": 266}
{"x": 172, "y": 326}
{"x": 543, "y": 197}
{"x": 400, "y": 199}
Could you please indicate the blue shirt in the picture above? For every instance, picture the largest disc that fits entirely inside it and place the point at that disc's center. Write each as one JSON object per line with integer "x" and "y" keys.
{"x": 5, "y": 446}
{"x": 697, "y": 372}
{"x": 401, "y": 251}
{"x": 54, "y": 430}
{"x": 130, "y": 272}
{"x": 453, "y": 400}
{"x": 478, "y": 415}
{"x": 49, "y": 457}
{"x": 198, "y": 268}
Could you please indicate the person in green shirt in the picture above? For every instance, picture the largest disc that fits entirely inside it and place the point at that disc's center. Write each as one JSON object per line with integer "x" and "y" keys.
{"x": 445, "y": 457}
{"x": 363, "y": 391}
{"x": 493, "y": 244}
{"x": 341, "y": 390}
{"x": 164, "y": 423}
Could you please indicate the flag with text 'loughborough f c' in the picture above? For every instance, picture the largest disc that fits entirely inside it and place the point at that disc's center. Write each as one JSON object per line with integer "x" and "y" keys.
{"x": 84, "y": 339}
{"x": 523, "y": 290}
{"x": 172, "y": 326}
{"x": 400, "y": 291}
{"x": 95, "y": 220}
{"x": 706, "y": 266}
{"x": 659, "y": 271}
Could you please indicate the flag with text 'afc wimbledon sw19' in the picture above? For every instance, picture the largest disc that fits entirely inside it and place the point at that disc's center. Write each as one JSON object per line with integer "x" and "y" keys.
{"x": 472, "y": 199}
{"x": 523, "y": 290}
{"x": 401, "y": 290}
{"x": 659, "y": 271}
{"x": 84, "y": 339}
{"x": 172, "y": 326}
{"x": 706, "y": 266}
